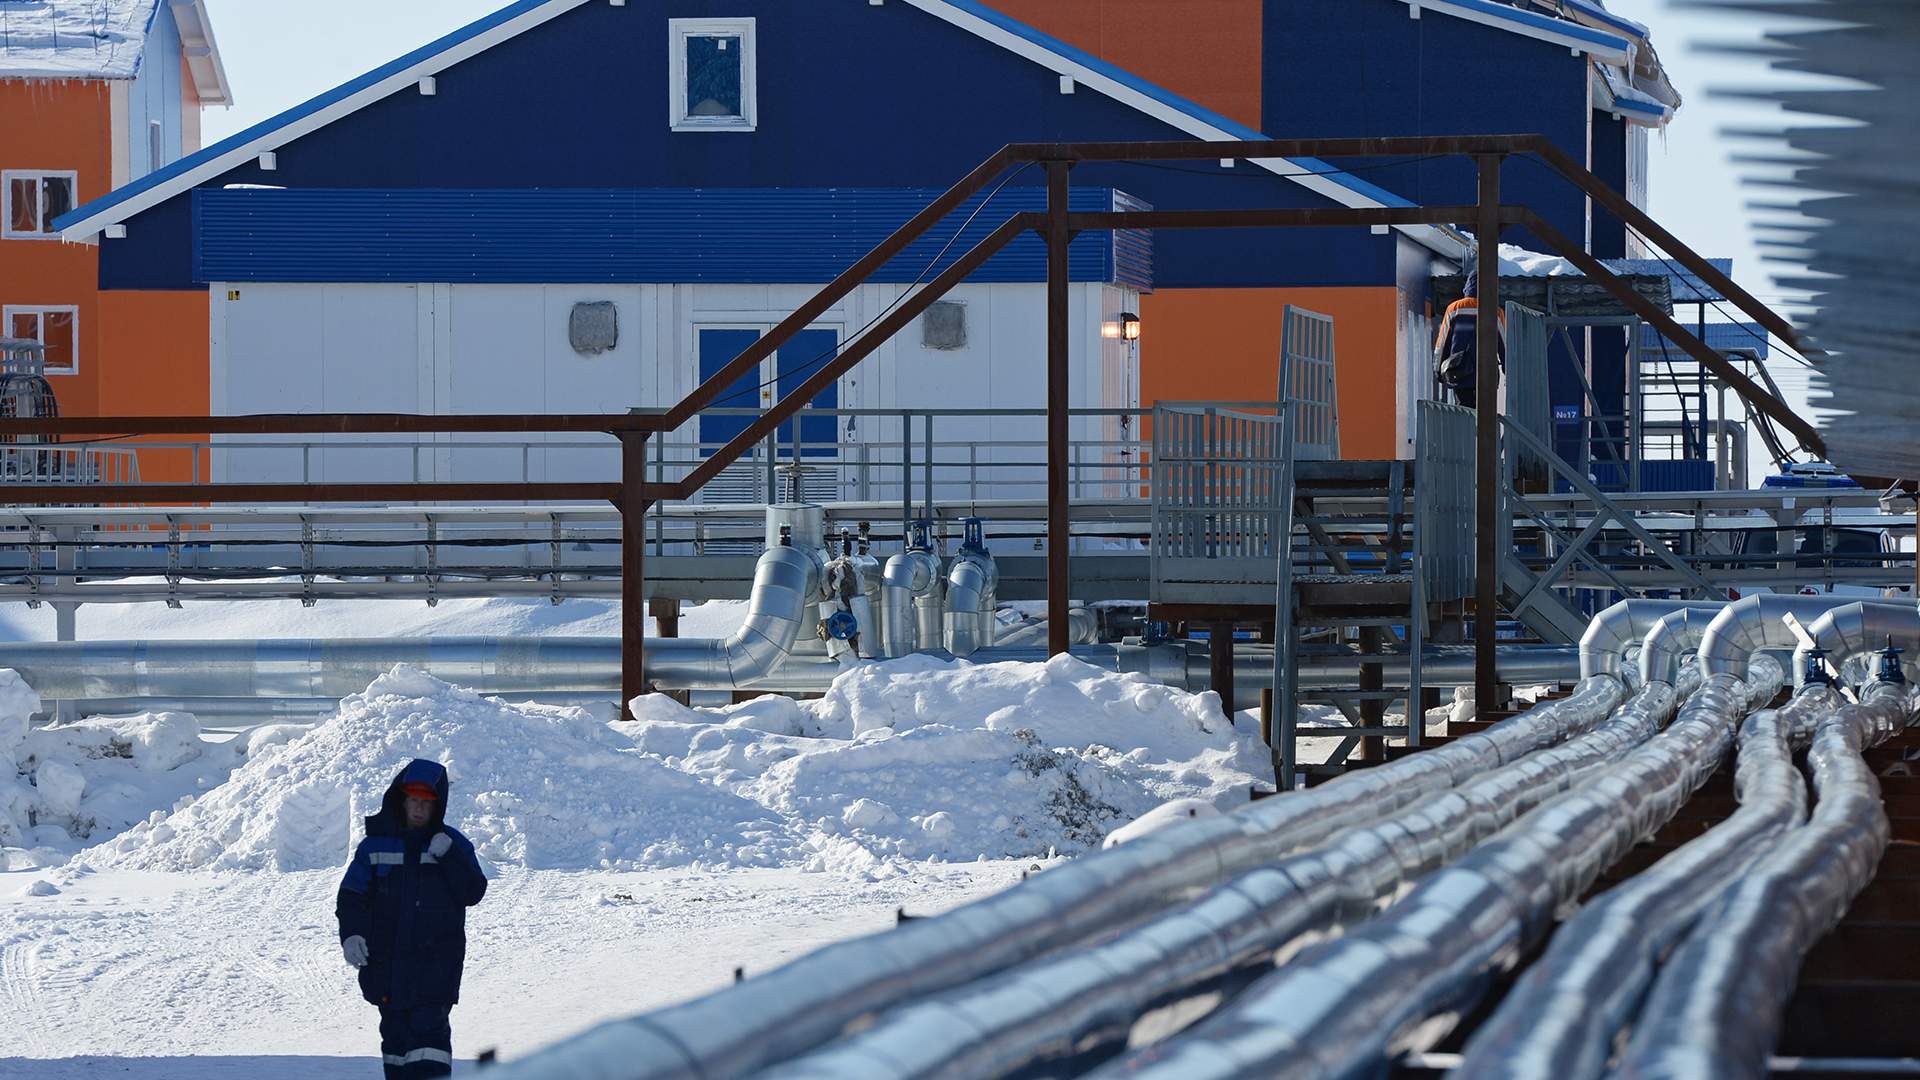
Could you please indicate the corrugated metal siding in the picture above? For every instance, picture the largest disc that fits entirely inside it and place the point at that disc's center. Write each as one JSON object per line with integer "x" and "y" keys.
{"x": 738, "y": 236}
{"x": 1719, "y": 337}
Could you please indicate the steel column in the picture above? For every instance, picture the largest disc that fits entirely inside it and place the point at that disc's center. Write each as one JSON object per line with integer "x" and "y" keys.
{"x": 1059, "y": 635}
{"x": 633, "y": 549}
{"x": 1220, "y": 664}
{"x": 1487, "y": 437}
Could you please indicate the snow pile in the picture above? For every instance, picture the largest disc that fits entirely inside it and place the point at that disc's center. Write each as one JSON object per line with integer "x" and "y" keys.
{"x": 66, "y": 785}
{"x": 920, "y": 758}
{"x": 532, "y": 785}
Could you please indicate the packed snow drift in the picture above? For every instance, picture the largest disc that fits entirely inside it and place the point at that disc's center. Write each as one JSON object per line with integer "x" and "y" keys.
{"x": 63, "y": 786}
{"x": 912, "y": 760}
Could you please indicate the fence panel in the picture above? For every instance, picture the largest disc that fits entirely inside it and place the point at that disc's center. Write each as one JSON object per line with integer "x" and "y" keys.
{"x": 1443, "y": 501}
{"x": 1307, "y": 377}
{"x": 1222, "y": 488}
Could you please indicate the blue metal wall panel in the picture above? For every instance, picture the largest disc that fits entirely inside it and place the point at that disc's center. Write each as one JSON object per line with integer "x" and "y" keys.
{"x": 1363, "y": 68}
{"x": 851, "y": 95}
{"x": 743, "y": 236}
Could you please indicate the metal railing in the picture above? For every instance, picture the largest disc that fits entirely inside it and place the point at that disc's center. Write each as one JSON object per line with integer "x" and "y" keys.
{"x": 1222, "y": 493}
{"x": 53, "y": 463}
{"x": 1443, "y": 494}
{"x": 1307, "y": 377}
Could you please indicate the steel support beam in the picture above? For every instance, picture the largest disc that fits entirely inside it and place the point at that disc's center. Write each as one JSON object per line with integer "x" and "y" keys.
{"x": 1486, "y": 563}
{"x": 633, "y": 586}
{"x": 1059, "y": 448}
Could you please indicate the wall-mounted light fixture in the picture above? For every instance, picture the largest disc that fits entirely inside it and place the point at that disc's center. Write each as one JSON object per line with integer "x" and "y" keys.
{"x": 1125, "y": 327}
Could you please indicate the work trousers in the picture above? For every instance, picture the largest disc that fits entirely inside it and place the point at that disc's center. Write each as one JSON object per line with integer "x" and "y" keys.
{"x": 416, "y": 1043}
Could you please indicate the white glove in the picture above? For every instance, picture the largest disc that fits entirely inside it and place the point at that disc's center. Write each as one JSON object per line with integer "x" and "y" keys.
{"x": 355, "y": 950}
{"x": 437, "y": 847}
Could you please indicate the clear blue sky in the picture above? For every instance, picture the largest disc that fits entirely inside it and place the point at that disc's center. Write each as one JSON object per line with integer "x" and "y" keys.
{"x": 280, "y": 53}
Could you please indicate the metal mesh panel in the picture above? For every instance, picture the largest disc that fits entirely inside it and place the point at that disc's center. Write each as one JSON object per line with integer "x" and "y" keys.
{"x": 1443, "y": 494}
{"x": 1306, "y": 376}
{"x": 1221, "y": 483}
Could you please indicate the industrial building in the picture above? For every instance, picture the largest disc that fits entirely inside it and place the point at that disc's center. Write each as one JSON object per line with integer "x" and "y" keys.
{"x": 1087, "y": 340}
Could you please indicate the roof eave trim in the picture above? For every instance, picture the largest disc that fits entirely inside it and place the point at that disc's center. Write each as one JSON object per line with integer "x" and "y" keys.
{"x": 87, "y": 221}
{"x": 1192, "y": 119}
{"x": 1603, "y": 46}
{"x": 210, "y": 72}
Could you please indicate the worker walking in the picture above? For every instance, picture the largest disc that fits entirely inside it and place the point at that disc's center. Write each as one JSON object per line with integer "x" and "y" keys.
{"x": 1456, "y": 355}
{"x": 403, "y": 919}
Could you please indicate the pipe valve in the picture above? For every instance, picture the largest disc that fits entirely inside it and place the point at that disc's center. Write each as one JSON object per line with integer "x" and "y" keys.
{"x": 1890, "y": 670}
{"x": 1817, "y": 673}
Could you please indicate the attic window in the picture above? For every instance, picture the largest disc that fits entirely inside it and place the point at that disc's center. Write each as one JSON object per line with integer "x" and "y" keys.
{"x": 711, "y": 73}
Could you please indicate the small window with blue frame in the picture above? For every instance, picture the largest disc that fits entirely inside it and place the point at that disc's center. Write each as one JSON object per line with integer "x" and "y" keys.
{"x": 713, "y": 74}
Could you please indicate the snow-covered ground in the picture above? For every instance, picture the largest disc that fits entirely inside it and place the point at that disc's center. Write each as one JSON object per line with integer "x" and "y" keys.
{"x": 182, "y": 976}
{"x": 166, "y": 898}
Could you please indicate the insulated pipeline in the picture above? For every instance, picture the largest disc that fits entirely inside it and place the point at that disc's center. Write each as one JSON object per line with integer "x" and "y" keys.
{"x": 1604, "y": 646}
{"x": 791, "y": 1009}
{"x": 1715, "y": 1009}
{"x": 1757, "y": 622}
{"x": 1562, "y": 1020}
{"x": 1074, "y": 1001}
{"x": 1850, "y": 634}
{"x": 1343, "y": 1007}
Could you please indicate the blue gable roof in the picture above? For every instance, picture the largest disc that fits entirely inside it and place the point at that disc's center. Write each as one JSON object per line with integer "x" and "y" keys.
{"x": 1185, "y": 117}
{"x": 848, "y": 100}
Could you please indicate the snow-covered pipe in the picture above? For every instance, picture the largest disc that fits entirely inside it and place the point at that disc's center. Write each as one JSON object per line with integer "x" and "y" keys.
{"x": 1854, "y": 631}
{"x": 972, "y": 582}
{"x": 1746, "y": 626}
{"x": 791, "y": 1009}
{"x": 1064, "y": 1003}
{"x": 1604, "y": 646}
{"x": 910, "y": 591}
{"x": 1340, "y": 1008}
{"x": 1715, "y": 1009}
{"x": 1082, "y": 629}
{"x": 784, "y": 583}
{"x": 1562, "y": 1020}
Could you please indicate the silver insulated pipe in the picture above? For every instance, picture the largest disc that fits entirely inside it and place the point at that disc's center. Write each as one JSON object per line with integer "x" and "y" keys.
{"x": 910, "y": 598}
{"x": 1342, "y": 1007}
{"x": 1746, "y": 626}
{"x": 784, "y": 583}
{"x": 1604, "y": 646}
{"x": 1563, "y": 1019}
{"x": 1715, "y": 1010}
{"x": 793, "y": 1008}
{"x": 1069, "y": 1003}
{"x": 972, "y": 582}
{"x": 1849, "y": 634}
{"x": 1674, "y": 637}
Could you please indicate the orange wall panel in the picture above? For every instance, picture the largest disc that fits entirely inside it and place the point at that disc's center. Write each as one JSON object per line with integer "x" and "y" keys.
{"x": 1224, "y": 345}
{"x": 1206, "y": 50}
{"x": 59, "y": 125}
{"x": 154, "y": 347}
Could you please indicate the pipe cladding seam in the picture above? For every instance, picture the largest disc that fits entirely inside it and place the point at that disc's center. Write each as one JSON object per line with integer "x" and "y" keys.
{"x": 1070, "y": 1003}
{"x": 793, "y": 1008}
{"x": 1715, "y": 1009}
{"x": 1562, "y": 1019}
{"x": 1852, "y": 633}
{"x": 1343, "y": 1008}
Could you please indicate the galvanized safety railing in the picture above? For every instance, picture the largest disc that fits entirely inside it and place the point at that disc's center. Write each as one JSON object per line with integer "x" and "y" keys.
{"x": 1307, "y": 378}
{"x": 1222, "y": 498}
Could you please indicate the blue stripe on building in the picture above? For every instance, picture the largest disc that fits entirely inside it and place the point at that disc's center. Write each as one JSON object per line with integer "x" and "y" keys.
{"x": 663, "y": 236}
